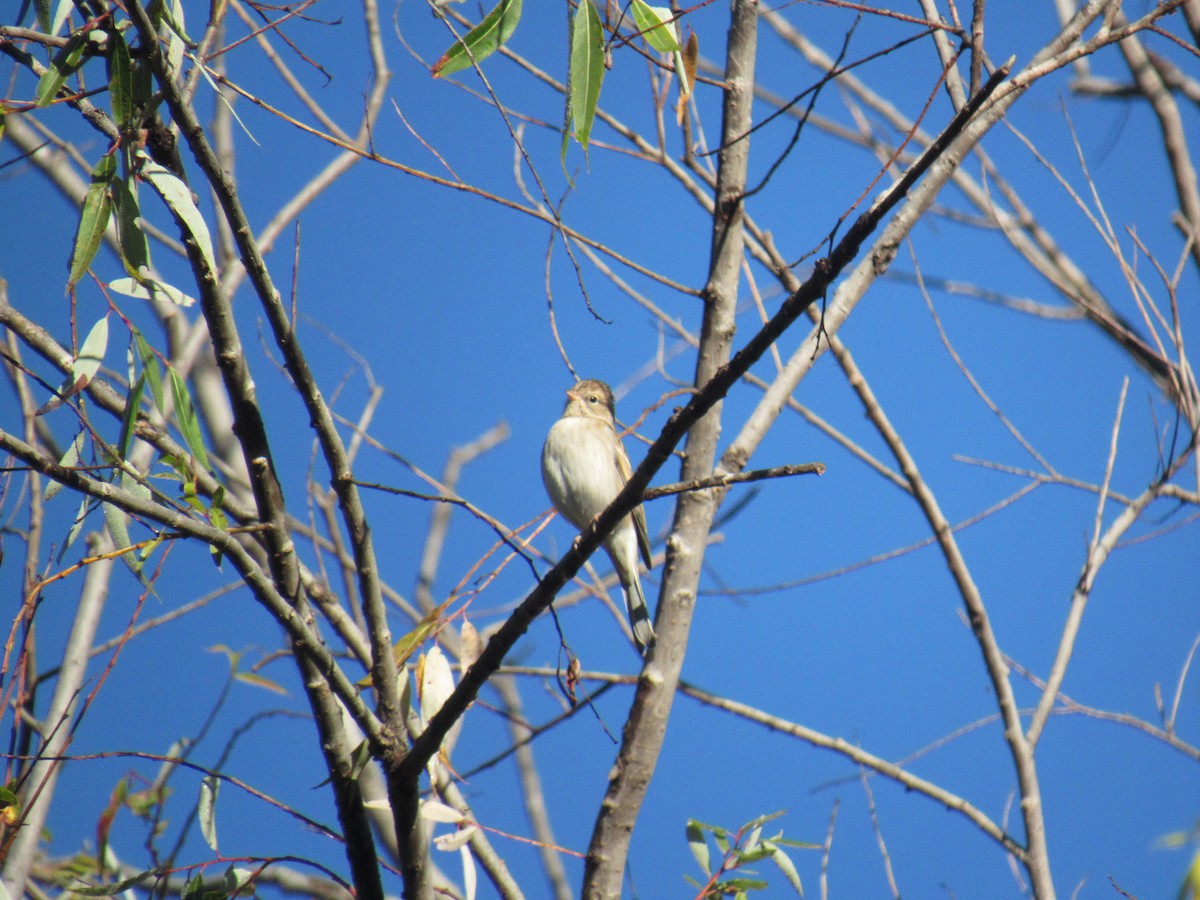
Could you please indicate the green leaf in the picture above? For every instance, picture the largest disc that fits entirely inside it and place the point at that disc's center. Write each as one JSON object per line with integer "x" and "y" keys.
{"x": 657, "y": 26}
{"x": 699, "y": 846}
{"x": 148, "y": 289}
{"x": 87, "y": 363}
{"x": 587, "y": 69}
{"x": 194, "y": 889}
{"x": 207, "y": 811}
{"x": 41, "y": 9}
{"x": 481, "y": 41}
{"x": 189, "y": 425}
{"x": 131, "y": 239}
{"x": 76, "y": 526}
{"x": 132, "y": 404}
{"x": 90, "y": 358}
{"x": 97, "y": 206}
{"x": 120, "y": 80}
{"x": 109, "y": 890}
{"x": 150, "y": 369}
{"x": 179, "y": 199}
{"x": 116, "y": 520}
{"x": 740, "y": 885}
{"x": 784, "y": 862}
{"x": 69, "y": 459}
{"x": 64, "y": 9}
{"x": 66, "y": 61}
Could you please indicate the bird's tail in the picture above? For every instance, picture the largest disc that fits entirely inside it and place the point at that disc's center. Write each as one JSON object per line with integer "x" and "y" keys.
{"x": 639, "y": 614}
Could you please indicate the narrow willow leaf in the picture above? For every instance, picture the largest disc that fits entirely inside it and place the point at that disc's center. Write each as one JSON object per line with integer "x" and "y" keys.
{"x": 149, "y": 289}
{"x": 120, "y": 80}
{"x": 69, "y": 459}
{"x": 91, "y": 356}
{"x": 116, "y": 520}
{"x": 436, "y": 811}
{"x": 41, "y": 9}
{"x": 207, "y": 811}
{"x": 131, "y": 239}
{"x": 177, "y": 196}
{"x": 470, "y": 876}
{"x": 189, "y": 425}
{"x": 61, "y": 12}
{"x": 587, "y": 69}
{"x": 76, "y": 526}
{"x": 404, "y": 648}
{"x": 179, "y": 40}
{"x": 786, "y": 866}
{"x": 97, "y": 206}
{"x": 150, "y": 369}
{"x": 260, "y": 681}
{"x": 657, "y": 26}
{"x": 64, "y": 64}
{"x": 699, "y": 846}
{"x": 133, "y": 404}
{"x": 117, "y": 524}
{"x": 481, "y": 41}
{"x": 109, "y": 890}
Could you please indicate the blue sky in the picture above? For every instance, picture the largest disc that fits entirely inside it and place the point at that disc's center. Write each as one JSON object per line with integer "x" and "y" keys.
{"x": 443, "y": 295}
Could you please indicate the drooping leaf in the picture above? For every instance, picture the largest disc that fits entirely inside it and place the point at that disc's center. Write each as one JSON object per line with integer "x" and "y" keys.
{"x": 148, "y": 288}
{"x": 587, "y": 69}
{"x": 93, "y": 219}
{"x": 69, "y": 458}
{"x": 132, "y": 404}
{"x": 131, "y": 239}
{"x": 699, "y": 846}
{"x": 66, "y": 61}
{"x": 120, "y": 80}
{"x": 61, "y": 12}
{"x": 116, "y": 520}
{"x": 481, "y": 41}
{"x": 784, "y": 862}
{"x": 177, "y": 36}
{"x": 110, "y": 890}
{"x": 207, "y": 810}
{"x": 470, "y": 876}
{"x": 87, "y": 363}
{"x": 260, "y": 681}
{"x": 456, "y": 839}
{"x": 91, "y": 355}
{"x": 434, "y": 688}
{"x": 404, "y": 648}
{"x": 179, "y": 199}
{"x": 189, "y": 425}
{"x": 685, "y": 64}
{"x": 150, "y": 368}
{"x": 657, "y": 26}
{"x": 41, "y": 9}
{"x": 76, "y": 526}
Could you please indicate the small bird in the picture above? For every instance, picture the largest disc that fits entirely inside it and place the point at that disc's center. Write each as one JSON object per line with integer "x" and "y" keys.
{"x": 584, "y": 467}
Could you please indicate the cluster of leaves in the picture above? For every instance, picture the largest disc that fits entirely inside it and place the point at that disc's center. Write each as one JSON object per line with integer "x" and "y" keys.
{"x": 113, "y": 196}
{"x": 739, "y": 849}
{"x": 588, "y": 54}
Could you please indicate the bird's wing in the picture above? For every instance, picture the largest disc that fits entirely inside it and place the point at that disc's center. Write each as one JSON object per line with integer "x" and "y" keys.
{"x": 638, "y": 514}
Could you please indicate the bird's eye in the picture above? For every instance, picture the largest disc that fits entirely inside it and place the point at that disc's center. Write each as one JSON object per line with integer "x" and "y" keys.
{"x": 593, "y": 398}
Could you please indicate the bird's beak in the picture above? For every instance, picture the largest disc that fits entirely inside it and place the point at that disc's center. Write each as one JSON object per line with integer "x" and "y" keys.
{"x": 571, "y": 393}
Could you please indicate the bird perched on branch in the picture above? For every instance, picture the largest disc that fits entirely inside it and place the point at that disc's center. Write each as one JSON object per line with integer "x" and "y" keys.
{"x": 584, "y": 467}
